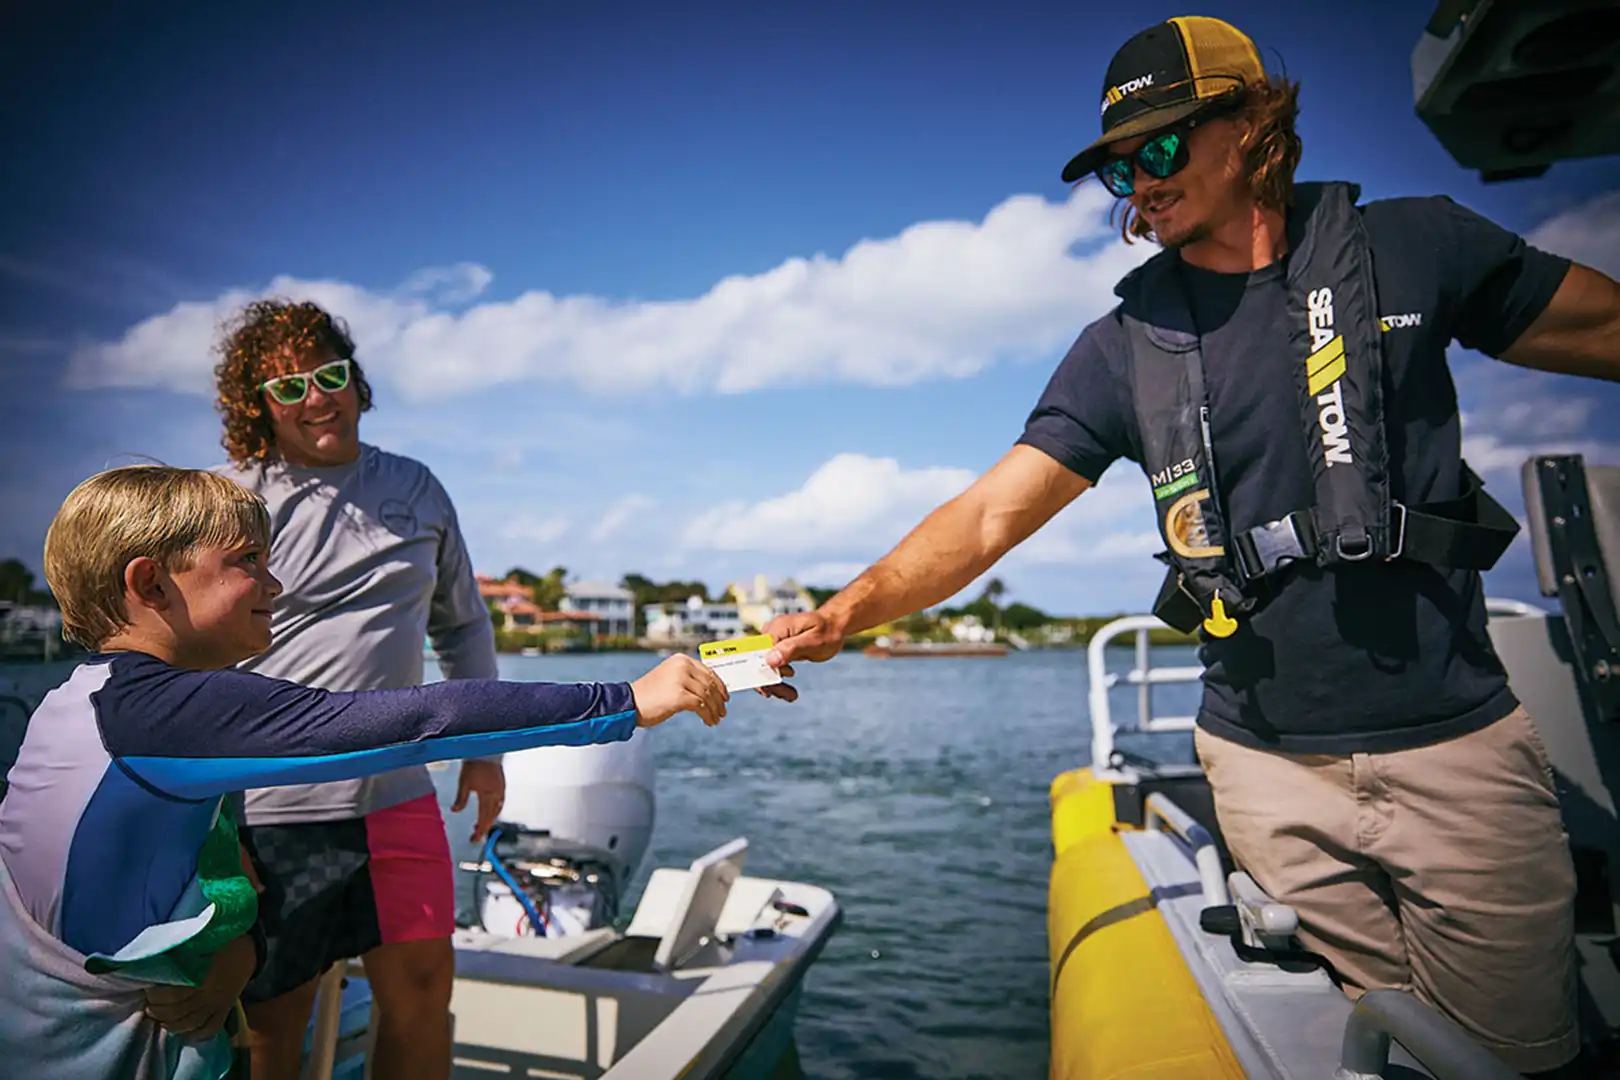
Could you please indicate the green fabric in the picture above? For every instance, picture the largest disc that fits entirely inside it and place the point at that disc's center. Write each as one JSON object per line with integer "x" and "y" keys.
{"x": 226, "y": 885}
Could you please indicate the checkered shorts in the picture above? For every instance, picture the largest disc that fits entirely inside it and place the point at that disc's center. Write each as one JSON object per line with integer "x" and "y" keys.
{"x": 338, "y": 889}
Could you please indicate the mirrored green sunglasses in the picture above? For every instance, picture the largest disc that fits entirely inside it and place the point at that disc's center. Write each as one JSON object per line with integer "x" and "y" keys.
{"x": 1161, "y": 157}
{"x": 291, "y": 389}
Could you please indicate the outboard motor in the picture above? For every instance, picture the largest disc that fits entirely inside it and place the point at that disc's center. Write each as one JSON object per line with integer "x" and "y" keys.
{"x": 577, "y": 823}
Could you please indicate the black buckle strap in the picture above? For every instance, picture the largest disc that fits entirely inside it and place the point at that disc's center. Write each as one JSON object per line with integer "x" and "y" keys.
{"x": 1265, "y": 548}
{"x": 1466, "y": 533}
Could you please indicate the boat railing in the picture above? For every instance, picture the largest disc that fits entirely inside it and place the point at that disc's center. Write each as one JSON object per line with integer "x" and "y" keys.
{"x": 1500, "y": 606}
{"x": 1264, "y": 923}
{"x": 1144, "y": 676}
{"x": 1439, "y": 1044}
{"x": 1162, "y": 811}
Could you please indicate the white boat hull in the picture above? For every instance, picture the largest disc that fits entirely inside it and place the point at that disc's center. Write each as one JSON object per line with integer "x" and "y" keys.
{"x": 702, "y": 984}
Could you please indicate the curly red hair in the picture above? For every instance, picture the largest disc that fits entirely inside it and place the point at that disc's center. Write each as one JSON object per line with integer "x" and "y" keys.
{"x": 251, "y": 339}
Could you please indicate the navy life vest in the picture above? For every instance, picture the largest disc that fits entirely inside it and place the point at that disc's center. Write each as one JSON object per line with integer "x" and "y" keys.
{"x": 1335, "y": 333}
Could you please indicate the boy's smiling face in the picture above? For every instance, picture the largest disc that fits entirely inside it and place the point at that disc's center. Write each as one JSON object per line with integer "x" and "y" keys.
{"x": 222, "y": 605}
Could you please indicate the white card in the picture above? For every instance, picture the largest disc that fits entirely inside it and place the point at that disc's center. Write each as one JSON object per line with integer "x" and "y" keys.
{"x": 740, "y": 662}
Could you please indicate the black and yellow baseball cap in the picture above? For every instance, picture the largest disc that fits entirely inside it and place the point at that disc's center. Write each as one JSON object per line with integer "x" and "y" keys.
{"x": 1165, "y": 74}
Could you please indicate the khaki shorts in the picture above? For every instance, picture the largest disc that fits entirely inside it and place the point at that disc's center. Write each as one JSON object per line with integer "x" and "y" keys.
{"x": 1443, "y": 870}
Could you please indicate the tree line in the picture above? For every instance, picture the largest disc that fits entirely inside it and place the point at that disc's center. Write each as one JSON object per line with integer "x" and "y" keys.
{"x": 17, "y": 585}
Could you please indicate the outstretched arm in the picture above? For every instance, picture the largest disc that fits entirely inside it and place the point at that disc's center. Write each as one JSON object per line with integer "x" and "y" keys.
{"x": 941, "y": 556}
{"x": 198, "y": 734}
{"x": 195, "y": 734}
{"x": 1578, "y": 333}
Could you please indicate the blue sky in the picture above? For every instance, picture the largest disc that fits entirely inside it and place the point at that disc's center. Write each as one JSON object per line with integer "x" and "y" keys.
{"x": 695, "y": 292}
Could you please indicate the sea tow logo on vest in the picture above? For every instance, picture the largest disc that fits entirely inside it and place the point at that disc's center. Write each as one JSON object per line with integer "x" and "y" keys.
{"x": 1324, "y": 369}
{"x": 1177, "y": 478}
{"x": 1400, "y": 322}
{"x": 1116, "y": 94}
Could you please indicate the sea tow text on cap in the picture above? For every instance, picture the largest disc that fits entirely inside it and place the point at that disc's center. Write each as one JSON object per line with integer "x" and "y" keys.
{"x": 1335, "y": 433}
{"x": 1117, "y": 94}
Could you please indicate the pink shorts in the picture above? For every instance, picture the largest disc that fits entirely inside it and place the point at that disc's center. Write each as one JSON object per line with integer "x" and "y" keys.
{"x": 412, "y": 877}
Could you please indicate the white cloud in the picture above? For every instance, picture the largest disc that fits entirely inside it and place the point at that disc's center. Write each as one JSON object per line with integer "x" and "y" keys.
{"x": 856, "y": 507}
{"x": 1489, "y": 453}
{"x": 535, "y": 530}
{"x": 1589, "y": 234}
{"x": 620, "y": 514}
{"x": 1112, "y": 521}
{"x": 851, "y": 504}
{"x": 1516, "y": 414}
{"x": 830, "y": 574}
{"x": 941, "y": 299}
{"x": 174, "y": 351}
{"x": 449, "y": 284}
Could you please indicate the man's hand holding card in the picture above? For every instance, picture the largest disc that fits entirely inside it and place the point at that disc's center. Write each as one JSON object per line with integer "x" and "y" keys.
{"x": 740, "y": 664}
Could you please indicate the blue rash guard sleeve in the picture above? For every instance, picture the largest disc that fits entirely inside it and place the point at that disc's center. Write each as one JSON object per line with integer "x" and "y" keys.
{"x": 201, "y": 734}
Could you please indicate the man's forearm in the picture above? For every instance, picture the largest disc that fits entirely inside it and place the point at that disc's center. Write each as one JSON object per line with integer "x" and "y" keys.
{"x": 1579, "y": 333}
{"x": 959, "y": 541}
{"x": 938, "y": 559}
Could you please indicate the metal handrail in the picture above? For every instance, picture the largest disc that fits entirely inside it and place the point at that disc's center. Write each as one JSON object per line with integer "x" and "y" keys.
{"x": 1161, "y": 808}
{"x": 1144, "y": 676}
{"x": 1439, "y": 1044}
{"x": 1265, "y": 921}
{"x": 1504, "y": 606}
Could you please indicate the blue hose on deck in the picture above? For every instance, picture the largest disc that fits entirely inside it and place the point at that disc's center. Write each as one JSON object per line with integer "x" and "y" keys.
{"x": 535, "y": 918}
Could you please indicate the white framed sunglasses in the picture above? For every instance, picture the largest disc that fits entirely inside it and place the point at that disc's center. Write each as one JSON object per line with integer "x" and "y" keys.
{"x": 291, "y": 389}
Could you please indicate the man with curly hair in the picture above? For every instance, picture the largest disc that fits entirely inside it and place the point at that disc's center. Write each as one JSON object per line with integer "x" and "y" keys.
{"x": 1279, "y": 373}
{"x": 368, "y": 548}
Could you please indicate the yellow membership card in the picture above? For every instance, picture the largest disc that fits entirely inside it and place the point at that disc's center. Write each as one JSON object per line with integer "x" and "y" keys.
{"x": 740, "y": 662}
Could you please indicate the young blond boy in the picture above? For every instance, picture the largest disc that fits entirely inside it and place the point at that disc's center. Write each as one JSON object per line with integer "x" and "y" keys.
{"x": 126, "y": 914}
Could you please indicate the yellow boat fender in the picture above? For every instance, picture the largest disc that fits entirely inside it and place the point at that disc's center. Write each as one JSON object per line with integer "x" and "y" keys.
{"x": 1124, "y": 1006}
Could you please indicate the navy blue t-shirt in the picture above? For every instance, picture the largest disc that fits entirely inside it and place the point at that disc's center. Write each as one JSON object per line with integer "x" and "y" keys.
{"x": 1365, "y": 657}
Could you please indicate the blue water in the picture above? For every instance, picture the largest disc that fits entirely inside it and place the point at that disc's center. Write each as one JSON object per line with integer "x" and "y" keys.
{"x": 916, "y": 791}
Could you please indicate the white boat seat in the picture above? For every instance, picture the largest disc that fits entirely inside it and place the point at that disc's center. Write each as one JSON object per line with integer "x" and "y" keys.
{"x": 687, "y": 909}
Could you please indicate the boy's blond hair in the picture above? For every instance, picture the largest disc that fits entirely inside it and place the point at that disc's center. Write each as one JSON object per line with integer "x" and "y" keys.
{"x": 158, "y": 511}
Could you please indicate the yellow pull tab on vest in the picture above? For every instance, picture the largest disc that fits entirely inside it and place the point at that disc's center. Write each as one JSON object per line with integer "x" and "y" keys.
{"x": 1218, "y": 622}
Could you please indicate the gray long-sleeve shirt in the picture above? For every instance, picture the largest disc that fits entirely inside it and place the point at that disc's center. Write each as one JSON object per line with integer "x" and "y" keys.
{"x": 373, "y": 565}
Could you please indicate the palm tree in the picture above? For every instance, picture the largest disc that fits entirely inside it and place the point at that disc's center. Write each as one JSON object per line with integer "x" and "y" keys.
{"x": 994, "y": 590}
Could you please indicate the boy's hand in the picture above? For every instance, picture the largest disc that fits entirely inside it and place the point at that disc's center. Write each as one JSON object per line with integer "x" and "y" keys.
{"x": 196, "y": 1013}
{"x": 679, "y": 684}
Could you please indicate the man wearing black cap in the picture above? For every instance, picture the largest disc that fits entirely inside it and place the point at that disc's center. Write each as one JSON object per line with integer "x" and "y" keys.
{"x": 1279, "y": 373}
